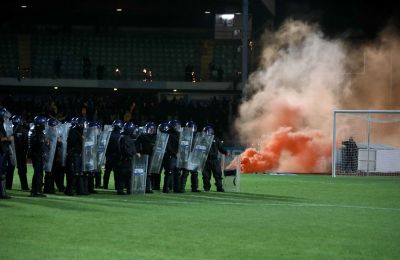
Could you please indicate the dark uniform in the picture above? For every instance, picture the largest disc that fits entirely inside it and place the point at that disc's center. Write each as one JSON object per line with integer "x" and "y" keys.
{"x": 59, "y": 170}
{"x": 4, "y": 153}
{"x": 194, "y": 180}
{"x": 74, "y": 161}
{"x": 37, "y": 147}
{"x": 111, "y": 156}
{"x": 126, "y": 151}
{"x": 21, "y": 150}
{"x": 350, "y": 155}
{"x": 213, "y": 165}
{"x": 145, "y": 145}
{"x": 171, "y": 173}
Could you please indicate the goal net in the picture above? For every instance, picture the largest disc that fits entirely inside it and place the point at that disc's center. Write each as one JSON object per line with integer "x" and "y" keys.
{"x": 366, "y": 142}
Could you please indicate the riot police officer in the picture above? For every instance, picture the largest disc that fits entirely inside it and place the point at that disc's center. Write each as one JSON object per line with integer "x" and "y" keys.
{"x": 112, "y": 152}
{"x": 213, "y": 164}
{"x": 145, "y": 144}
{"x": 74, "y": 158}
{"x": 21, "y": 149}
{"x": 193, "y": 174}
{"x": 49, "y": 176}
{"x": 126, "y": 151}
{"x": 37, "y": 148}
{"x": 4, "y": 153}
{"x": 171, "y": 173}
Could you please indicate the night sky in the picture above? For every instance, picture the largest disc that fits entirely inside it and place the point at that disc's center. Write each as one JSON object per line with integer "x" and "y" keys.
{"x": 354, "y": 18}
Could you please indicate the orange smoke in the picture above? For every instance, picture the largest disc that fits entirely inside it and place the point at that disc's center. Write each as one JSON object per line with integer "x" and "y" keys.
{"x": 301, "y": 79}
{"x": 308, "y": 152}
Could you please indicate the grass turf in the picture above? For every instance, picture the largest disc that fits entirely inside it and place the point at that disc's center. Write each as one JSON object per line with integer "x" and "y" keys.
{"x": 274, "y": 217}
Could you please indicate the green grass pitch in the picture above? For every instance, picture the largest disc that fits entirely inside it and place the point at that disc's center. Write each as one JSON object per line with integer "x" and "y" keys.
{"x": 274, "y": 217}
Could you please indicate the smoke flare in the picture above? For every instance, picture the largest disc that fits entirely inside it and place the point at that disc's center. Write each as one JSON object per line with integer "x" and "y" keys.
{"x": 302, "y": 78}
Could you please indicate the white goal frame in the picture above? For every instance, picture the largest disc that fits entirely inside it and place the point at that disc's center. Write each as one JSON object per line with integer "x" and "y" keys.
{"x": 335, "y": 112}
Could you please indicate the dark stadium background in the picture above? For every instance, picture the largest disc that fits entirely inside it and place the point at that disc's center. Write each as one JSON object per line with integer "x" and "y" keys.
{"x": 165, "y": 36}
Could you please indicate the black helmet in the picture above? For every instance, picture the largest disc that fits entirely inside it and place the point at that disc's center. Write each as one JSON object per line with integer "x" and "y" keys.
{"x": 39, "y": 121}
{"x": 16, "y": 120}
{"x": 192, "y": 126}
{"x": 175, "y": 124}
{"x": 209, "y": 130}
{"x": 52, "y": 122}
{"x": 118, "y": 124}
{"x": 80, "y": 122}
{"x": 129, "y": 128}
{"x": 151, "y": 128}
{"x": 164, "y": 127}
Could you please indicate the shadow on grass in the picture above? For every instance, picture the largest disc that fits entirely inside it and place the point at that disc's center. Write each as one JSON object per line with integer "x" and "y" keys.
{"x": 53, "y": 203}
{"x": 257, "y": 196}
{"x": 240, "y": 197}
{"x": 104, "y": 200}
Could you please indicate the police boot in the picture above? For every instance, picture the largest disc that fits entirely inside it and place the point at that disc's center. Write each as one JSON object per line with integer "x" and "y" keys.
{"x": 167, "y": 183}
{"x": 24, "y": 181}
{"x": 9, "y": 177}
{"x": 71, "y": 181}
{"x": 86, "y": 184}
{"x": 218, "y": 183}
{"x": 195, "y": 182}
{"x": 106, "y": 179}
{"x": 91, "y": 184}
{"x": 155, "y": 181}
{"x": 184, "y": 180}
{"x": 80, "y": 185}
{"x": 177, "y": 182}
{"x": 48, "y": 183}
{"x": 3, "y": 192}
{"x": 128, "y": 183}
{"x": 148, "y": 184}
{"x": 97, "y": 176}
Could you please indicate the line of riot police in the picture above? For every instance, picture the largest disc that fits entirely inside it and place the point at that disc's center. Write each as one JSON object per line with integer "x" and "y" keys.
{"x": 78, "y": 150}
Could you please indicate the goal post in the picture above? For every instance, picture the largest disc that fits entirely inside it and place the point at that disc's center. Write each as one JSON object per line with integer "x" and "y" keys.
{"x": 366, "y": 142}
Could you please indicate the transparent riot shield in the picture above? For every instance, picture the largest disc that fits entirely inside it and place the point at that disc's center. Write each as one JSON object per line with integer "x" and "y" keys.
{"x": 9, "y": 131}
{"x": 102, "y": 143}
{"x": 198, "y": 156}
{"x": 158, "y": 152}
{"x": 185, "y": 146}
{"x": 231, "y": 172}
{"x": 63, "y": 133}
{"x": 51, "y": 135}
{"x": 89, "y": 147}
{"x": 139, "y": 173}
{"x": 107, "y": 128}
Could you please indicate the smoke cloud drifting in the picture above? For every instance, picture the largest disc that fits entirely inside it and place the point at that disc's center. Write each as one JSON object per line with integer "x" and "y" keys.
{"x": 302, "y": 78}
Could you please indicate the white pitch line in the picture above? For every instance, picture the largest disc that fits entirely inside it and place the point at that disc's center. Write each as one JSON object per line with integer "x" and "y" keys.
{"x": 291, "y": 204}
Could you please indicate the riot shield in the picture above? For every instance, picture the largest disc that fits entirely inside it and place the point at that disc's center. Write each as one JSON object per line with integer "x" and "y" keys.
{"x": 63, "y": 133}
{"x": 104, "y": 137}
{"x": 9, "y": 131}
{"x": 139, "y": 173}
{"x": 51, "y": 135}
{"x": 89, "y": 147}
{"x": 185, "y": 146}
{"x": 158, "y": 152}
{"x": 198, "y": 156}
{"x": 107, "y": 128}
{"x": 231, "y": 172}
